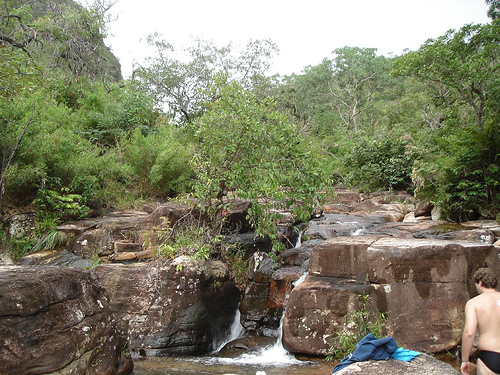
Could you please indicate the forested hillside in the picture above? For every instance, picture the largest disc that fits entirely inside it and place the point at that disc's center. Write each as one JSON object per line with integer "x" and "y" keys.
{"x": 75, "y": 136}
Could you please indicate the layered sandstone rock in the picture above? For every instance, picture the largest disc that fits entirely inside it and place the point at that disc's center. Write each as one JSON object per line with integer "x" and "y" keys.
{"x": 422, "y": 284}
{"x": 55, "y": 319}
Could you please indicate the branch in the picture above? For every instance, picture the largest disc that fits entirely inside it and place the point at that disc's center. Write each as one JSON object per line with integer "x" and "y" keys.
{"x": 14, "y": 149}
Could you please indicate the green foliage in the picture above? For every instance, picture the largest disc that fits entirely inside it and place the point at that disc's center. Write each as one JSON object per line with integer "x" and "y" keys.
{"x": 160, "y": 160}
{"x": 61, "y": 202}
{"x": 238, "y": 265}
{"x": 461, "y": 68}
{"x": 463, "y": 176}
{"x": 46, "y": 222}
{"x": 50, "y": 241}
{"x": 190, "y": 236}
{"x": 180, "y": 84}
{"x": 246, "y": 147}
{"x": 20, "y": 247}
{"x": 359, "y": 323}
{"x": 380, "y": 163}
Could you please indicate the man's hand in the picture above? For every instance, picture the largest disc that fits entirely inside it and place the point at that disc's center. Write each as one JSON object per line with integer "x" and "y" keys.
{"x": 465, "y": 368}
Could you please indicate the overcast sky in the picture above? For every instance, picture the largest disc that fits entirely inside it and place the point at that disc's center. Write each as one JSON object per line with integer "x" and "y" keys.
{"x": 305, "y": 31}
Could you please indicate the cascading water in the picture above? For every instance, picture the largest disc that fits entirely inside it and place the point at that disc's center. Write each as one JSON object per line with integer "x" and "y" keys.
{"x": 235, "y": 331}
{"x": 276, "y": 354}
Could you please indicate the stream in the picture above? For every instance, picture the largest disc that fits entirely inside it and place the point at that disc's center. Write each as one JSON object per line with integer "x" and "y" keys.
{"x": 207, "y": 365}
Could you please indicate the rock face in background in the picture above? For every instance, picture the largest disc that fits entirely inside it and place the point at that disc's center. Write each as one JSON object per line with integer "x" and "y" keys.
{"x": 57, "y": 319}
{"x": 185, "y": 307}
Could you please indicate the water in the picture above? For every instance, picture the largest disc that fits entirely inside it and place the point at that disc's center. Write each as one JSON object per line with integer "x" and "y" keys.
{"x": 199, "y": 366}
{"x": 236, "y": 331}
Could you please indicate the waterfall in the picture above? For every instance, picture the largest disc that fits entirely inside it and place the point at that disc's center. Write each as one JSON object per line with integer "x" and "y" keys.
{"x": 236, "y": 330}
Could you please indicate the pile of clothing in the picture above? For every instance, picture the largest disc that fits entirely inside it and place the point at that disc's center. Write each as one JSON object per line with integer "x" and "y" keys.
{"x": 371, "y": 348}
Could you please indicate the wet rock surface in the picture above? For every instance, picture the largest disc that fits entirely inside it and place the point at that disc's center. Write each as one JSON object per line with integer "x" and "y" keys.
{"x": 412, "y": 266}
{"x": 167, "y": 310}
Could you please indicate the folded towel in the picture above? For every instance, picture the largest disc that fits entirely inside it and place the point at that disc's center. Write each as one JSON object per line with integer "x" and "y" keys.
{"x": 406, "y": 355}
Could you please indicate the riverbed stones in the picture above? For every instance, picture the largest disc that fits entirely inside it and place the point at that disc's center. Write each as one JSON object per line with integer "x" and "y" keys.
{"x": 317, "y": 311}
{"x": 57, "y": 319}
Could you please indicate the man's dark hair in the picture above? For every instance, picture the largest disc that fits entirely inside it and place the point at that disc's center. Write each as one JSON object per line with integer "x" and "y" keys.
{"x": 487, "y": 276}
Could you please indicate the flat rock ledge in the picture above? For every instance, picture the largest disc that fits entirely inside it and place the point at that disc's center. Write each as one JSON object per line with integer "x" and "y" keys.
{"x": 424, "y": 364}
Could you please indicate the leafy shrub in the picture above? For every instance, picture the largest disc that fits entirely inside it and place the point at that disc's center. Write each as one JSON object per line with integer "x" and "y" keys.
{"x": 159, "y": 161}
{"x": 380, "y": 164}
{"x": 463, "y": 177}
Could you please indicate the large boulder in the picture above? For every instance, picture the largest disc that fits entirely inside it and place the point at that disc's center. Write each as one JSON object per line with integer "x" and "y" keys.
{"x": 56, "y": 319}
{"x": 422, "y": 365}
{"x": 424, "y": 284}
{"x": 317, "y": 312}
{"x": 181, "y": 307}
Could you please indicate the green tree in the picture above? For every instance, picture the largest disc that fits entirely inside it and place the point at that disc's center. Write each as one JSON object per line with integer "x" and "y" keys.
{"x": 459, "y": 170}
{"x": 179, "y": 84}
{"x": 461, "y": 68}
{"x": 356, "y": 77}
{"x": 248, "y": 149}
{"x": 494, "y": 9}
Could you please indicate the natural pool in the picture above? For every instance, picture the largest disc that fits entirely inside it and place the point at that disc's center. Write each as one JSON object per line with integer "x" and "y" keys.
{"x": 210, "y": 365}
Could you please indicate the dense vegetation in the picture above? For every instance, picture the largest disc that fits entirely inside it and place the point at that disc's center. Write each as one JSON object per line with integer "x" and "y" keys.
{"x": 75, "y": 135}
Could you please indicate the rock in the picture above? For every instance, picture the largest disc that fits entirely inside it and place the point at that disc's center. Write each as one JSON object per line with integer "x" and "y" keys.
{"x": 316, "y": 313}
{"x": 343, "y": 257}
{"x": 281, "y": 285}
{"x": 436, "y": 213}
{"x": 250, "y": 243}
{"x": 422, "y": 365}
{"x": 168, "y": 213}
{"x": 389, "y": 197}
{"x": 491, "y": 225}
{"x": 257, "y": 314}
{"x": 21, "y": 225}
{"x": 61, "y": 258}
{"x": 121, "y": 257}
{"x": 236, "y": 217}
{"x": 57, "y": 319}
{"x": 298, "y": 256}
{"x": 337, "y": 225}
{"x": 175, "y": 308}
{"x": 422, "y": 285}
{"x": 474, "y": 235}
{"x": 423, "y": 209}
{"x": 122, "y": 247}
{"x": 5, "y": 259}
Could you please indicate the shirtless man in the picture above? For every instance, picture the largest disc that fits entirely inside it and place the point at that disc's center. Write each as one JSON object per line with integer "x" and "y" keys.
{"x": 482, "y": 313}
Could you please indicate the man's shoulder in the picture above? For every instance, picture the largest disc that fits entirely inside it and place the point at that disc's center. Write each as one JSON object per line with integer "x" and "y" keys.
{"x": 475, "y": 300}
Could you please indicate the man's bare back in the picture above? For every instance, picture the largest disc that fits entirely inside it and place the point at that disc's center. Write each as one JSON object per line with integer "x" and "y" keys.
{"x": 482, "y": 315}
{"x": 487, "y": 307}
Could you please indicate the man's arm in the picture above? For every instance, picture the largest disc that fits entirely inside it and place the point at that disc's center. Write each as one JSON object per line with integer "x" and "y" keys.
{"x": 468, "y": 335}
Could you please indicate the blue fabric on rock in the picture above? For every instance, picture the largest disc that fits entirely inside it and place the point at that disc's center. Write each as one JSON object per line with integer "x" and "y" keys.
{"x": 369, "y": 347}
{"x": 404, "y": 354}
